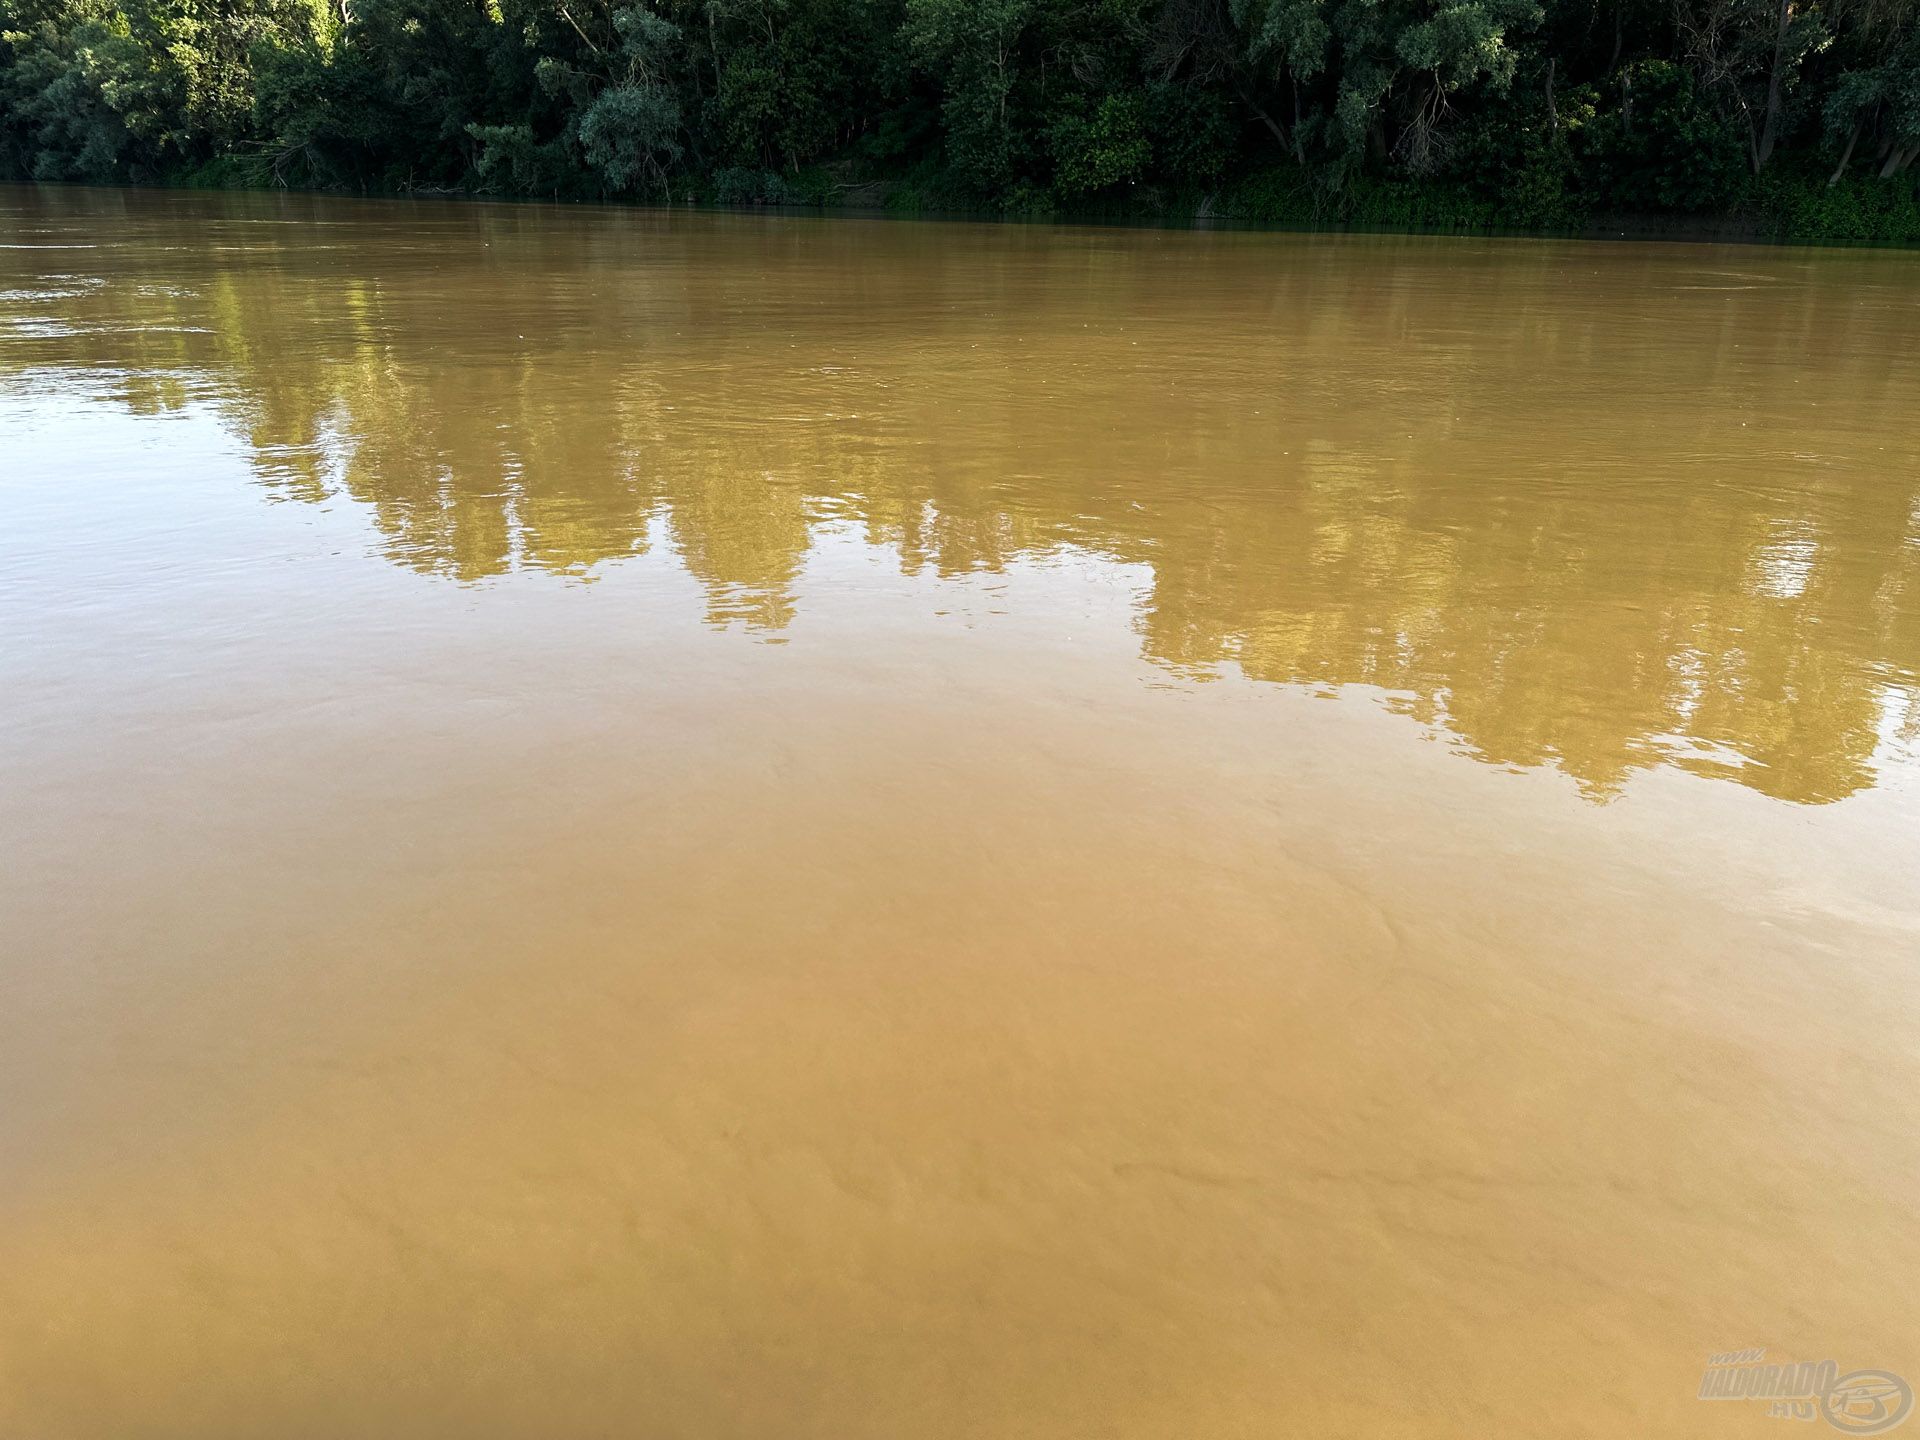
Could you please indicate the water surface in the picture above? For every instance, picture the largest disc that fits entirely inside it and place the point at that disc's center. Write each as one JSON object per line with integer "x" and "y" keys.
{"x": 616, "y": 824}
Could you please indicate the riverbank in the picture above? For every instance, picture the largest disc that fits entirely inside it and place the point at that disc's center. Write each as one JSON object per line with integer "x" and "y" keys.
{"x": 1792, "y": 207}
{"x": 1504, "y": 118}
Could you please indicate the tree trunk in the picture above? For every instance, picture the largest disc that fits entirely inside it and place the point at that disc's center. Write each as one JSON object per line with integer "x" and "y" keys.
{"x": 1299, "y": 144}
{"x": 1846, "y": 155}
{"x": 1265, "y": 119}
{"x": 1770, "y": 127}
{"x": 1898, "y": 159}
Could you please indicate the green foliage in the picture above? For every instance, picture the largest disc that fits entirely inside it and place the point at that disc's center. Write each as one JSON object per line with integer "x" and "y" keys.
{"x": 1101, "y": 149}
{"x": 1660, "y": 148}
{"x": 795, "y": 78}
{"x": 84, "y": 100}
{"x": 1749, "y": 56}
{"x": 972, "y": 46}
{"x": 738, "y": 185}
{"x": 1792, "y": 117}
{"x": 1880, "y": 103}
{"x": 1410, "y": 56}
{"x": 512, "y": 162}
{"x": 1863, "y": 210}
{"x": 628, "y": 134}
{"x": 1526, "y": 155}
{"x": 1194, "y": 133}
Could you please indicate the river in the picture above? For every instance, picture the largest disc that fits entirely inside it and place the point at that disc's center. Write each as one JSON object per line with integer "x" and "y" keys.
{"x": 617, "y": 823}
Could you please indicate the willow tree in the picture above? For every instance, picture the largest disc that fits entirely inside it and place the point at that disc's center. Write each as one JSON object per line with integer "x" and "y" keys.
{"x": 1751, "y": 54}
{"x": 1385, "y": 70}
{"x": 1877, "y": 97}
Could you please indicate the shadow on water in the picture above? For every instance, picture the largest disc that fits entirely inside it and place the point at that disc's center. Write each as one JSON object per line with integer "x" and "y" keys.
{"x": 1589, "y": 506}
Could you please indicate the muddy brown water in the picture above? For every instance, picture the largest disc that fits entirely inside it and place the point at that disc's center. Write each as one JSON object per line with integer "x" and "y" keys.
{"x": 619, "y": 824}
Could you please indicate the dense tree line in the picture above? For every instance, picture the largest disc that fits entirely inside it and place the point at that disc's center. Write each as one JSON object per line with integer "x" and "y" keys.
{"x": 1801, "y": 114}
